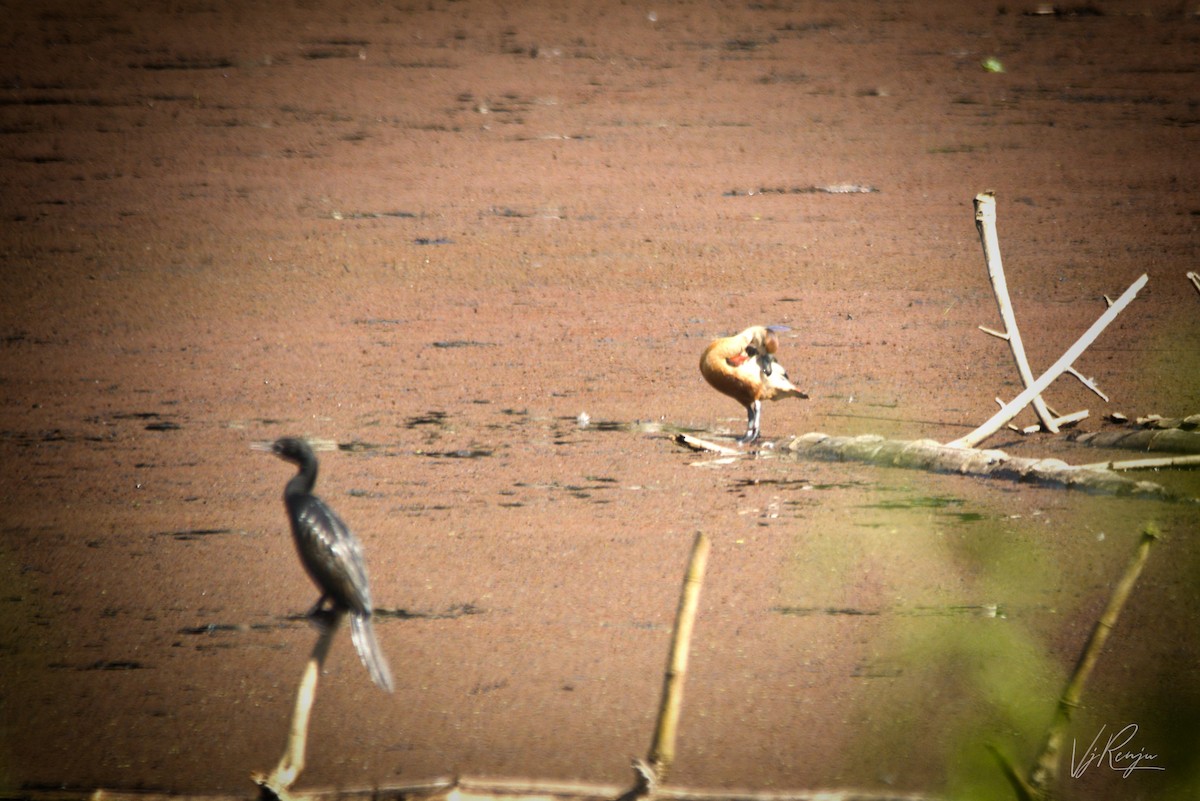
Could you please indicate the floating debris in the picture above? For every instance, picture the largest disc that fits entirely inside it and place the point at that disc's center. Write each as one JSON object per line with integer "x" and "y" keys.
{"x": 185, "y": 535}
{"x": 212, "y": 628}
{"x": 829, "y": 189}
{"x": 371, "y": 215}
{"x": 992, "y": 64}
{"x": 451, "y": 613}
{"x": 106, "y": 664}
{"x": 461, "y": 453}
{"x": 185, "y": 63}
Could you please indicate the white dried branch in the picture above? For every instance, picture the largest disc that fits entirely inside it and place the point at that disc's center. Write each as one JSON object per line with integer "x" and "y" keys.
{"x": 1066, "y": 360}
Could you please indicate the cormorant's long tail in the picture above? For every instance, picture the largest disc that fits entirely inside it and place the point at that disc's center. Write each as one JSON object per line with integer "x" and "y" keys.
{"x": 363, "y": 635}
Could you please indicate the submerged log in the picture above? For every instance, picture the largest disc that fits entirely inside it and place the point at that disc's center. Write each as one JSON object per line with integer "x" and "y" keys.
{"x": 927, "y": 454}
{"x": 1191, "y": 422}
{"x": 1165, "y": 440}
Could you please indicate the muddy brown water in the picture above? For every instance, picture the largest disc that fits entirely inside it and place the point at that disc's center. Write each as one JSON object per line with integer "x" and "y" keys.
{"x": 432, "y": 235}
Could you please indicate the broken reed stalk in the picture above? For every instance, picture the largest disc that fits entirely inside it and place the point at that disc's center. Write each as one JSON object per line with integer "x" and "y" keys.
{"x": 662, "y": 748}
{"x": 1035, "y": 389}
{"x": 277, "y": 784}
{"x": 653, "y": 772}
{"x": 1045, "y": 769}
{"x": 985, "y": 223}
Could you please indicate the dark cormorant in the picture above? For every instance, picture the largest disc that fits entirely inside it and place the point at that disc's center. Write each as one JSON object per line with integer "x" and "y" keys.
{"x": 332, "y": 555}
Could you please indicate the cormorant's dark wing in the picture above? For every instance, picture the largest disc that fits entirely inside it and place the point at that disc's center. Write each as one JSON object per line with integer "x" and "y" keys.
{"x": 331, "y": 553}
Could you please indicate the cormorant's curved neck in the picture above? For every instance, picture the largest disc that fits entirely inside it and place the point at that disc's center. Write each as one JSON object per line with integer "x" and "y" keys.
{"x": 303, "y": 482}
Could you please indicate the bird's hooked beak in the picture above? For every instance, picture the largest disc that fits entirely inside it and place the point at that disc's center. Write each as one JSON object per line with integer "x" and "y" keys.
{"x": 263, "y": 446}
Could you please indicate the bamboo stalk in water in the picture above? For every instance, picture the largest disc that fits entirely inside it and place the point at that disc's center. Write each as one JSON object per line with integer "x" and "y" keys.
{"x": 662, "y": 749}
{"x": 651, "y": 773}
{"x": 1044, "y": 774}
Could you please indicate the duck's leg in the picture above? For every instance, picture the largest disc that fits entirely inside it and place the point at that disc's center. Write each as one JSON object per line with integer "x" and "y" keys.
{"x": 753, "y": 415}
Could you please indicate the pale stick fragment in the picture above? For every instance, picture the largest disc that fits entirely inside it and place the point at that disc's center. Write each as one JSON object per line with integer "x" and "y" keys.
{"x": 985, "y": 222}
{"x": 993, "y": 332}
{"x": 1090, "y": 383}
{"x": 1058, "y": 368}
{"x": 697, "y": 444}
{"x": 1195, "y": 279}
{"x": 1061, "y": 420}
{"x": 1071, "y": 419}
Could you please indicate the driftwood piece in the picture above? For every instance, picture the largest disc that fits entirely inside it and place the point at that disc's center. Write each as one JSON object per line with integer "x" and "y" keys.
{"x": 985, "y": 223}
{"x": 278, "y": 784}
{"x": 1195, "y": 279}
{"x": 1066, "y": 360}
{"x": 1044, "y": 774}
{"x": 927, "y": 454}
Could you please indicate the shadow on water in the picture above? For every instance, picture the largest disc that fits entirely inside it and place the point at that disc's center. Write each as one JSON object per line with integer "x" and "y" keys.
{"x": 944, "y": 506}
{"x": 973, "y": 598}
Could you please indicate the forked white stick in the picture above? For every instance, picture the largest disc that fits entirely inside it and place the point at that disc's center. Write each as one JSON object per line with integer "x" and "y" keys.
{"x": 1058, "y": 368}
